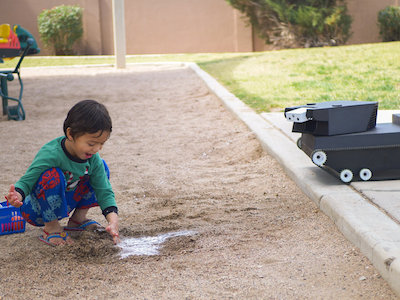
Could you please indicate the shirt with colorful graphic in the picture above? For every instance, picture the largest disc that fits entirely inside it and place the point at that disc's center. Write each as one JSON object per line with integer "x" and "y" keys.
{"x": 54, "y": 155}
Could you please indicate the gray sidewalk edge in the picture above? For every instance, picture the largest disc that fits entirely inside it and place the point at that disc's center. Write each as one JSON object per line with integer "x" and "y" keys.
{"x": 364, "y": 224}
{"x": 161, "y": 63}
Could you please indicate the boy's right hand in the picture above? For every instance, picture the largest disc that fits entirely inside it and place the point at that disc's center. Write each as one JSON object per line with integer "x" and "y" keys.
{"x": 13, "y": 197}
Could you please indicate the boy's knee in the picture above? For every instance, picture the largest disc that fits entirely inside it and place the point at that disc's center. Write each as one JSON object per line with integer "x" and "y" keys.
{"x": 51, "y": 178}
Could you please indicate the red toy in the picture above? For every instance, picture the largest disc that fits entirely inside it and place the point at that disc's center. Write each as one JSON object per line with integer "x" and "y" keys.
{"x": 9, "y": 42}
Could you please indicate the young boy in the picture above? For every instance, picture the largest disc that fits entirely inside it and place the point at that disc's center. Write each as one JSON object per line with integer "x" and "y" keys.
{"x": 68, "y": 174}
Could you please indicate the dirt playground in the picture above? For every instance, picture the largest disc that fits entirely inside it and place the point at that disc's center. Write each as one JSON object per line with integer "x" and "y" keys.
{"x": 179, "y": 162}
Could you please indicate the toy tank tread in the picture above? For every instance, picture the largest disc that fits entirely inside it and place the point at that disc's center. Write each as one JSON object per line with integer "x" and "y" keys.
{"x": 357, "y": 163}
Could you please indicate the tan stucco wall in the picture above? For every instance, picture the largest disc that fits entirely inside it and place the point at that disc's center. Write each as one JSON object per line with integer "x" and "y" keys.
{"x": 181, "y": 26}
{"x": 174, "y": 26}
{"x": 365, "y": 19}
{"x": 152, "y": 26}
{"x": 106, "y": 26}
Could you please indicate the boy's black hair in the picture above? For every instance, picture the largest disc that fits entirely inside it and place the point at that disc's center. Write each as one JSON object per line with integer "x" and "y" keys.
{"x": 87, "y": 116}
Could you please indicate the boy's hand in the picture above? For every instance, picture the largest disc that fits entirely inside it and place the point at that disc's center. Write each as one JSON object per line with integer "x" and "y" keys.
{"x": 112, "y": 227}
{"x": 13, "y": 197}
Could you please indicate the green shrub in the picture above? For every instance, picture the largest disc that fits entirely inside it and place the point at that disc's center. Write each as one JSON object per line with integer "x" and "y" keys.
{"x": 389, "y": 23}
{"x": 60, "y": 27}
{"x": 298, "y": 23}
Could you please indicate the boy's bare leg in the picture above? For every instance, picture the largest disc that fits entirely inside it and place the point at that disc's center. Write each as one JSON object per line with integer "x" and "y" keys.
{"x": 80, "y": 216}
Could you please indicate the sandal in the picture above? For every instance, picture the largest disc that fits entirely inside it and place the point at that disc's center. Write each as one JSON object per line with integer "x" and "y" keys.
{"x": 83, "y": 226}
{"x": 62, "y": 235}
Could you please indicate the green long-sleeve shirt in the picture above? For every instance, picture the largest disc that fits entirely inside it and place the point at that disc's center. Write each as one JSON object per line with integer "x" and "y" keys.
{"x": 54, "y": 154}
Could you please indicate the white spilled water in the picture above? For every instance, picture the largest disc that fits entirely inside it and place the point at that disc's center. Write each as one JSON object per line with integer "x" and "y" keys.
{"x": 147, "y": 245}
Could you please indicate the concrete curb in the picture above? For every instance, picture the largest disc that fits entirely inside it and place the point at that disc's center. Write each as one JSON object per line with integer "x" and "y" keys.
{"x": 363, "y": 223}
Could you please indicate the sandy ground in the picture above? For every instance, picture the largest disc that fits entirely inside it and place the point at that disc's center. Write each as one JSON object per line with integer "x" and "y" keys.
{"x": 179, "y": 161}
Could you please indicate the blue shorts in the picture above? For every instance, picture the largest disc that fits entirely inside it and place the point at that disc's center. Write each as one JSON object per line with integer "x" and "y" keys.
{"x": 50, "y": 200}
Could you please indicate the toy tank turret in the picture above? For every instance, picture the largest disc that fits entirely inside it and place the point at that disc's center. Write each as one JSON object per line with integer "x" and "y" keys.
{"x": 343, "y": 138}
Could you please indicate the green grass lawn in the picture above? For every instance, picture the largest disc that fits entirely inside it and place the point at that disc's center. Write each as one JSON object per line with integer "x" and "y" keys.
{"x": 273, "y": 80}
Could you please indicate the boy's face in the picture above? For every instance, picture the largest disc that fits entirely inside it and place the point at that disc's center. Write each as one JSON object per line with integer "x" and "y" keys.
{"x": 86, "y": 145}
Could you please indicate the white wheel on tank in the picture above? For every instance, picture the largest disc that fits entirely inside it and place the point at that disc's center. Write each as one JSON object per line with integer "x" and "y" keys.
{"x": 319, "y": 158}
{"x": 298, "y": 143}
{"x": 346, "y": 175}
{"x": 365, "y": 174}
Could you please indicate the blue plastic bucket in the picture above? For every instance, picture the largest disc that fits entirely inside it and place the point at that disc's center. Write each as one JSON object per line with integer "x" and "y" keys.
{"x": 11, "y": 220}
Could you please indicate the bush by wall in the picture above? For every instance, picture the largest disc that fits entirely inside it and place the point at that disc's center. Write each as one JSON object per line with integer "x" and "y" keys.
{"x": 389, "y": 23}
{"x": 60, "y": 27}
{"x": 298, "y": 23}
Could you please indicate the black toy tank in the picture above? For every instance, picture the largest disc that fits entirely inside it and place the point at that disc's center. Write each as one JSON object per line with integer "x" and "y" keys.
{"x": 365, "y": 150}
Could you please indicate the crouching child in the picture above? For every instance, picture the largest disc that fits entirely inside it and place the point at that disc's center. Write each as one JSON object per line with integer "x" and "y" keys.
{"x": 68, "y": 177}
